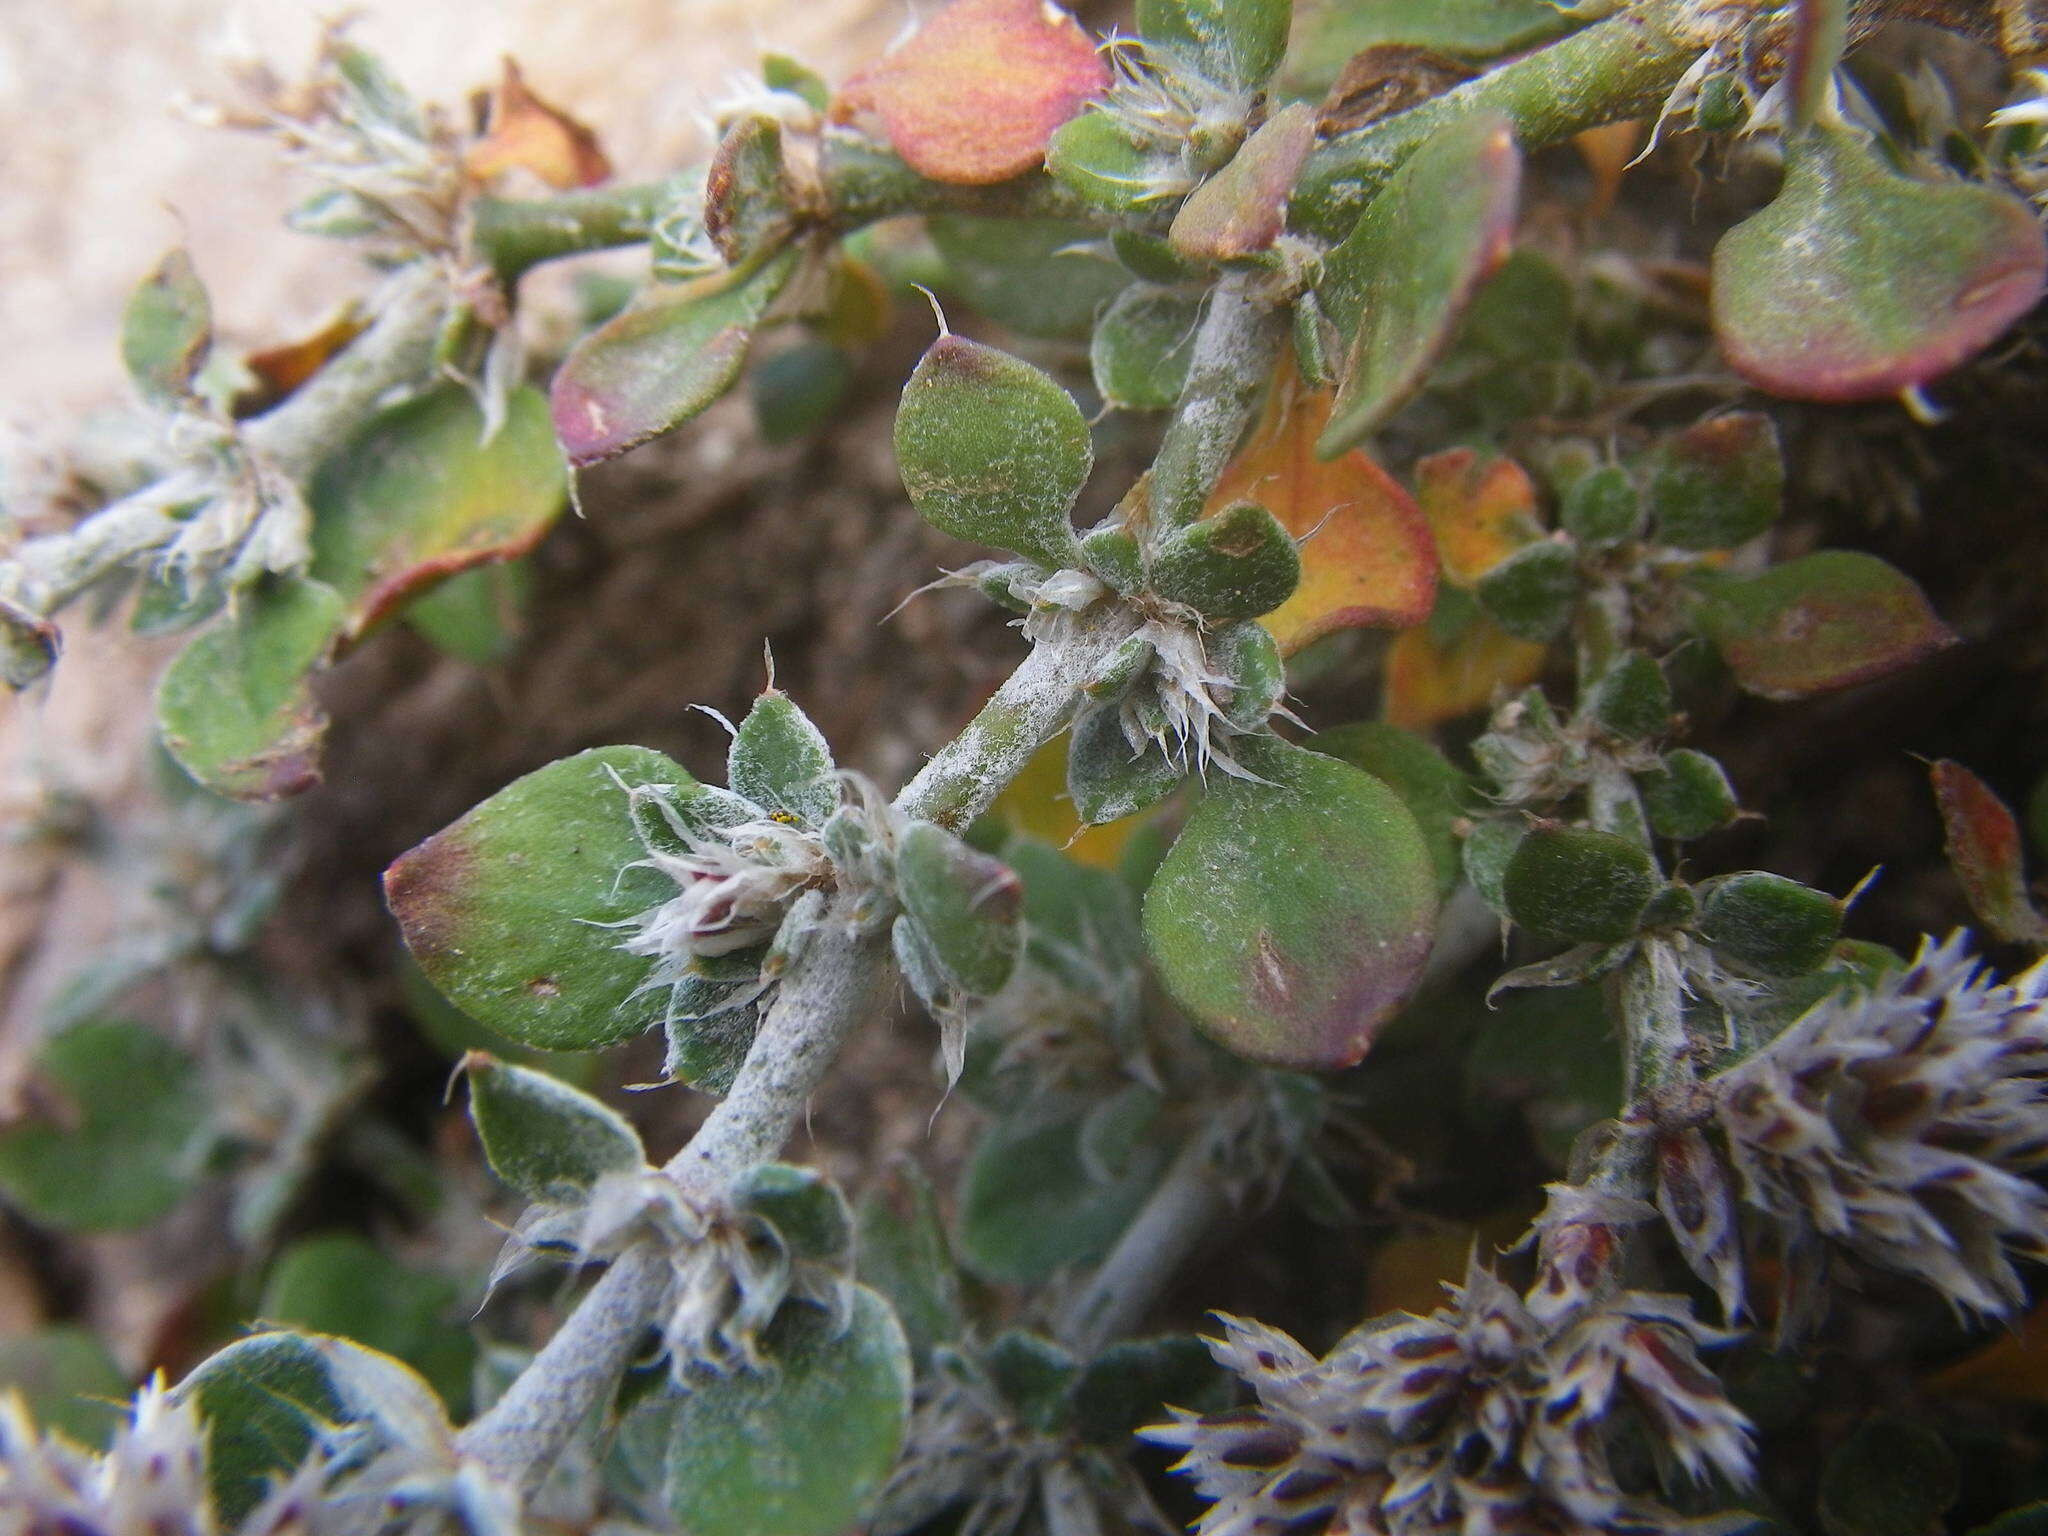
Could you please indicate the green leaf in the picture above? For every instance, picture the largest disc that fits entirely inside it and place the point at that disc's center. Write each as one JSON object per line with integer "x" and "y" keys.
{"x": 903, "y": 1254}
{"x": 747, "y": 191}
{"x": 235, "y": 708}
{"x": 799, "y": 389}
{"x": 992, "y": 450}
{"x": 1768, "y": 924}
{"x": 1687, "y": 795}
{"x": 505, "y": 910}
{"x": 1858, "y": 282}
{"x": 1234, "y": 564}
{"x": 543, "y": 1137}
{"x": 123, "y": 1133}
{"x": 1397, "y": 284}
{"x": 1631, "y": 699}
{"x": 341, "y": 1283}
{"x": 1106, "y": 780}
{"x": 167, "y": 331}
{"x": 1603, "y": 507}
{"x": 1579, "y": 884}
{"x": 1489, "y": 849}
{"x": 1532, "y": 593}
{"x": 1823, "y": 621}
{"x": 1080, "y": 922}
{"x": 1039, "y": 277}
{"x": 1096, "y": 160}
{"x": 1142, "y": 347}
{"x": 661, "y": 360}
{"x": 804, "y": 1206}
{"x": 1436, "y": 793}
{"x": 1892, "y": 1477}
{"x": 1238, "y": 42}
{"x": 1717, "y": 484}
{"x": 265, "y": 1398}
{"x": 1549, "y": 1056}
{"x": 1293, "y": 916}
{"x": 262, "y": 1398}
{"x": 417, "y": 496}
{"x": 1031, "y": 1205}
{"x": 476, "y": 616}
{"x": 1032, "y": 1375}
{"x": 798, "y": 1449}
{"x": 780, "y": 761}
{"x": 965, "y": 904}
{"x": 68, "y": 1379}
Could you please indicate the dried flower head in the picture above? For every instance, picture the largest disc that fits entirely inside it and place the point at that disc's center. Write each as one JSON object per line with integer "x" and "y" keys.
{"x": 1901, "y": 1125}
{"x": 1479, "y": 1418}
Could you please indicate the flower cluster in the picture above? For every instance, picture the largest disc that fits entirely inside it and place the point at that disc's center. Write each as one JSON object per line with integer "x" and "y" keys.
{"x": 1480, "y": 1418}
{"x": 1901, "y": 1126}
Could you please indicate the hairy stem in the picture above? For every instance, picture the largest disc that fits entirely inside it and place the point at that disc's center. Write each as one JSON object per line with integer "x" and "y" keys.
{"x": 512, "y": 234}
{"x": 835, "y": 981}
{"x": 293, "y": 438}
{"x": 1234, "y": 352}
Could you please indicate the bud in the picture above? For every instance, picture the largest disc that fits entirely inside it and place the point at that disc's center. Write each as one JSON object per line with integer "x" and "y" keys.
{"x": 1530, "y": 594}
{"x": 1579, "y": 884}
{"x": 1769, "y": 924}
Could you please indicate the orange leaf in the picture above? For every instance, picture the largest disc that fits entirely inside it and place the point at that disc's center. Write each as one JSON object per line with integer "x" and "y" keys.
{"x": 280, "y": 370}
{"x": 1481, "y": 509}
{"x": 1371, "y": 563}
{"x": 1430, "y": 681}
{"x": 528, "y": 134}
{"x": 975, "y": 94}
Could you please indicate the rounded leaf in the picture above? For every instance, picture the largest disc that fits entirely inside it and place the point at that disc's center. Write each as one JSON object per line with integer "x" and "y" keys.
{"x": 1602, "y": 506}
{"x": 966, "y": 906}
{"x": 799, "y": 1448}
{"x": 1295, "y": 912}
{"x": 992, "y": 450}
{"x": 1718, "y": 484}
{"x": 1531, "y": 593}
{"x": 1769, "y": 924}
{"x": 780, "y": 761}
{"x": 1579, "y": 884}
{"x": 505, "y": 910}
{"x": 1234, "y": 564}
{"x": 1687, "y": 795}
{"x": 1434, "y": 791}
{"x": 542, "y": 1136}
{"x": 1857, "y": 282}
{"x": 1142, "y": 346}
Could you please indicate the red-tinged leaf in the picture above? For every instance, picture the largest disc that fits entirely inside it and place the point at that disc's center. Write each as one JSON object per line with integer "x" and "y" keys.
{"x": 1823, "y": 621}
{"x": 1857, "y": 282}
{"x": 1401, "y": 279}
{"x": 1984, "y": 851}
{"x": 1430, "y": 681}
{"x": 1295, "y": 912}
{"x": 1371, "y": 563}
{"x": 527, "y": 134}
{"x": 418, "y": 496}
{"x": 975, "y": 94}
{"x": 671, "y": 352}
{"x": 1241, "y": 210}
{"x": 1480, "y": 507}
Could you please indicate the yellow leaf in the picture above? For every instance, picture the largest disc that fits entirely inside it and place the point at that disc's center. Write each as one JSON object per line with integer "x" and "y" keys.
{"x": 1482, "y": 509}
{"x": 1428, "y": 682}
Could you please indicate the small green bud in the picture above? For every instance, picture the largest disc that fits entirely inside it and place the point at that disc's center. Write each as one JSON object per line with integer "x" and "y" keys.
{"x": 1675, "y": 906}
{"x": 1602, "y": 507}
{"x": 1236, "y": 564}
{"x": 1248, "y": 655}
{"x": 1530, "y": 594}
{"x": 1769, "y": 924}
{"x": 1579, "y": 884}
{"x": 1033, "y": 1375}
{"x": 1120, "y": 671}
{"x": 1113, "y": 554}
{"x": 1632, "y": 700}
{"x": 1687, "y": 796}
{"x": 1721, "y": 106}
{"x": 999, "y": 581}
{"x": 802, "y": 1205}
{"x": 1717, "y": 484}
